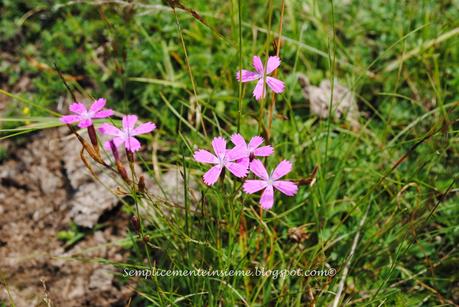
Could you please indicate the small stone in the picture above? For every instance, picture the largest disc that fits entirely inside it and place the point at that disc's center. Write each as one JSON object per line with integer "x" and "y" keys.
{"x": 343, "y": 103}
{"x": 101, "y": 279}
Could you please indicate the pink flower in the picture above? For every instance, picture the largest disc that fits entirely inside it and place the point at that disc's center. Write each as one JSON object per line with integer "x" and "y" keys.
{"x": 260, "y": 89}
{"x": 126, "y": 135}
{"x": 252, "y": 149}
{"x": 223, "y": 158}
{"x": 270, "y": 182}
{"x": 85, "y": 116}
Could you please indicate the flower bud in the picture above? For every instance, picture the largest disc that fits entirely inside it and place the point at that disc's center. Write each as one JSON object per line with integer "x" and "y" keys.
{"x": 92, "y": 136}
{"x": 130, "y": 156}
{"x": 115, "y": 152}
{"x": 141, "y": 184}
{"x": 135, "y": 223}
{"x": 122, "y": 171}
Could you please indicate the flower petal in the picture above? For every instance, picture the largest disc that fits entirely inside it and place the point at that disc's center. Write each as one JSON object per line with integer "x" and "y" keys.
{"x": 118, "y": 141}
{"x": 287, "y": 187}
{"x": 129, "y": 122}
{"x": 103, "y": 113}
{"x": 132, "y": 144}
{"x": 97, "y": 105}
{"x": 85, "y": 123}
{"x": 219, "y": 145}
{"x": 253, "y": 186}
{"x": 244, "y": 161}
{"x": 110, "y": 130}
{"x": 237, "y": 153}
{"x": 257, "y": 167}
{"x": 282, "y": 169}
{"x": 237, "y": 169}
{"x": 255, "y": 142}
{"x": 267, "y": 198}
{"x": 204, "y": 156}
{"x": 273, "y": 63}
{"x": 258, "y": 65}
{"x": 263, "y": 151}
{"x": 276, "y": 85}
{"x": 259, "y": 90}
{"x": 247, "y": 75}
{"x": 211, "y": 176}
{"x": 69, "y": 119}
{"x": 77, "y": 108}
{"x": 238, "y": 140}
{"x": 144, "y": 128}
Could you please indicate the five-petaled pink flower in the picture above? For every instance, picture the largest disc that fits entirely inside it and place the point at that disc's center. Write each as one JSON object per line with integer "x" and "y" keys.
{"x": 270, "y": 182}
{"x": 85, "y": 116}
{"x": 126, "y": 135}
{"x": 260, "y": 89}
{"x": 223, "y": 158}
{"x": 252, "y": 149}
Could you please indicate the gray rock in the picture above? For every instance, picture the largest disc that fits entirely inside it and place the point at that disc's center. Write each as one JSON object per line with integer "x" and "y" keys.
{"x": 91, "y": 200}
{"x": 343, "y": 104}
{"x": 101, "y": 279}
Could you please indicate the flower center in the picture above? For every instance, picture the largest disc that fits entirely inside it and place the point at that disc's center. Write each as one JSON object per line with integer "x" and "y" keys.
{"x": 86, "y": 115}
{"x": 222, "y": 160}
{"x": 125, "y": 134}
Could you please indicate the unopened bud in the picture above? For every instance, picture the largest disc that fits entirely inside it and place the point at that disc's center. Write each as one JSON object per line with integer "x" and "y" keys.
{"x": 135, "y": 223}
{"x": 92, "y": 136}
{"x": 146, "y": 238}
{"x": 122, "y": 171}
{"x": 141, "y": 184}
{"x": 115, "y": 152}
{"x": 130, "y": 156}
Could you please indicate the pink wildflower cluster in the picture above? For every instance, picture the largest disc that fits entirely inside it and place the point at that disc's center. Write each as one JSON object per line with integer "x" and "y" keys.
{"x": 125, "y": 136}
{"x": 240, "y": 160}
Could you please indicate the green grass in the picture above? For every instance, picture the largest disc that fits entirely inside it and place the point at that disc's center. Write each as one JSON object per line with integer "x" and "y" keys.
{"x": 384, "y": 209}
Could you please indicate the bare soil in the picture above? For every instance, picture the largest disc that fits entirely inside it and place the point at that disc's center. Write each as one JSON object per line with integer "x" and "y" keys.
{"x": 41, "y": 182}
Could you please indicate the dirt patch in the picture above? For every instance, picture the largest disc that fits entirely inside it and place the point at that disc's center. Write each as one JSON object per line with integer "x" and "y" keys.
{"x": 40, "y": 185}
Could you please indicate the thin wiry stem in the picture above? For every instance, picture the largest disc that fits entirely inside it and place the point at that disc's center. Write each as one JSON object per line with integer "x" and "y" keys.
{"x": 349, "y": 258}
{"x": 278, "y": 47}
{"x": 142, "y": 234}
{"x": 182, "y": 41}
{"x": 240, "y": 67}
{"x": 261, "y": 122}
{"x": 332, "y": 58}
